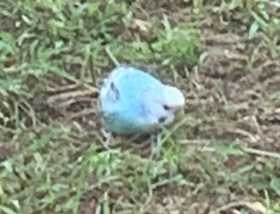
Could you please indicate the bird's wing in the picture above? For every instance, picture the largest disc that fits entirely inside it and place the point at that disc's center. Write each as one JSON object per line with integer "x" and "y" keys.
{"x": 122, "y": 90}
{"x": 131, "y": 82}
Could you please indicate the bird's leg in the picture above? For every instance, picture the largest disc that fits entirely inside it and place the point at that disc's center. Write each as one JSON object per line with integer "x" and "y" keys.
{"x": 144, "y": 139}
{"x": 108, "y": 138}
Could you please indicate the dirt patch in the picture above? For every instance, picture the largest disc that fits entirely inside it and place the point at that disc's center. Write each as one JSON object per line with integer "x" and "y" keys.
{"x": 234, "y": 93}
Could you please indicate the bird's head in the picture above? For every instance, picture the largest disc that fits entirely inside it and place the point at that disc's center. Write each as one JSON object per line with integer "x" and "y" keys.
{"x": 161, "y": 104}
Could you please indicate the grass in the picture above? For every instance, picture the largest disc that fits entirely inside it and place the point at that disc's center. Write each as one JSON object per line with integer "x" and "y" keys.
{"x": 221, "y": 157}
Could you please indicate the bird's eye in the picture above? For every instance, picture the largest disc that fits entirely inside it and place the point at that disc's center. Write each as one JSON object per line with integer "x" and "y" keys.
{"x": 166, "y": 107}
{"x": 162, "y": 119}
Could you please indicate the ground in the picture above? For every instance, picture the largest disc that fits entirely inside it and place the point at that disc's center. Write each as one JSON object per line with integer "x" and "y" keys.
{"x": 221, "y": 156}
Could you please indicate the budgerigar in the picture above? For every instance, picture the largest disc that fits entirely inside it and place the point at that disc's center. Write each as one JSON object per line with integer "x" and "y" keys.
{"x": 133, "y": 101}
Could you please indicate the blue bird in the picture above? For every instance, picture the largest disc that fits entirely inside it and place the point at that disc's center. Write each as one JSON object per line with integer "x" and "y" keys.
{"x": 133, "y": 101}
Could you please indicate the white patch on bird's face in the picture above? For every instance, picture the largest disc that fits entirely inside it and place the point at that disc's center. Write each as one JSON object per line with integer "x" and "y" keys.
{"x": 158, "y": 117}
{"x": 174, "y": 99}
{"x": 161, "y": 104}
